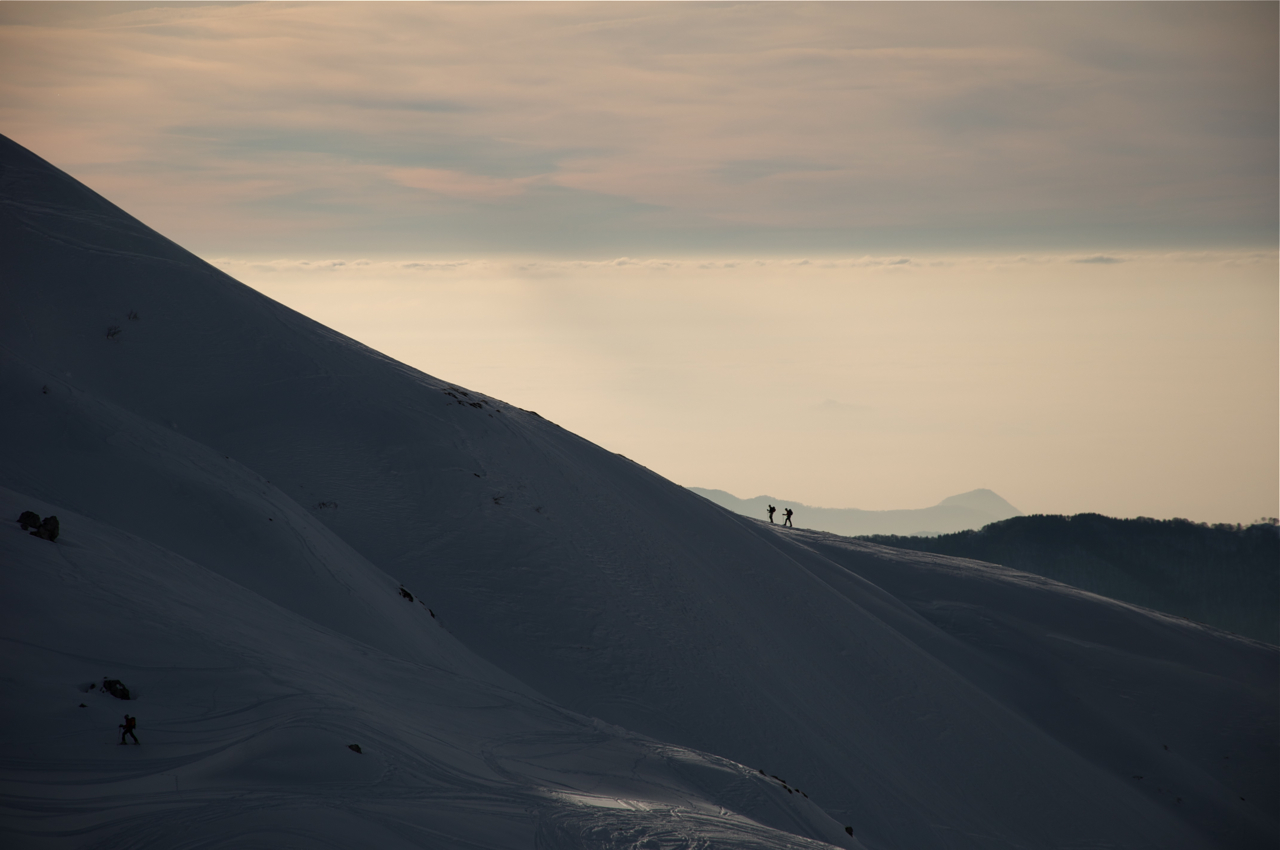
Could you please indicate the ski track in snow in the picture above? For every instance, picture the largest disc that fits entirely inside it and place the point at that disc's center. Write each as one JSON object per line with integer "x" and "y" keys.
{"x": 613, "y": 662}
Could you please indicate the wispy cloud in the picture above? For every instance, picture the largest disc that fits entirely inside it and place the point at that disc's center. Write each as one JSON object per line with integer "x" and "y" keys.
{"x": 673, "y": 128}
{"x": 458, "y": 184}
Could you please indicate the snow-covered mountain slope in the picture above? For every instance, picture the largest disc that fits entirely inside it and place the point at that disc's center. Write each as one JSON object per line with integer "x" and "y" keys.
{"x": 247, "y": 714}
{"x": 220, "y": 440}
{"x": 966, "y": 511}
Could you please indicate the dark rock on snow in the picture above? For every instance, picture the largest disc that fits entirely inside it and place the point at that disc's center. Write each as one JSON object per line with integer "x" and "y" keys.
{"x": 46, "y": 529}
{"x": 115, "y": 687}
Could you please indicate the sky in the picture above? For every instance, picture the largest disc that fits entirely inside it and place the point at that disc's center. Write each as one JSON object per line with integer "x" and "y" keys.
{"x": 851, "y": 254}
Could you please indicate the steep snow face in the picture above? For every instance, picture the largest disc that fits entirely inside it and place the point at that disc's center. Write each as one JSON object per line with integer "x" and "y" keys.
{"x": 925, "y": 702}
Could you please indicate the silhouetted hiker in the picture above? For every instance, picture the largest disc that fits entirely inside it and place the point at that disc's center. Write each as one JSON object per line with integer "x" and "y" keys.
{"x": 787, "y": 514}
{"x": 771, "y": 510}
{"x": 129, "y": 724}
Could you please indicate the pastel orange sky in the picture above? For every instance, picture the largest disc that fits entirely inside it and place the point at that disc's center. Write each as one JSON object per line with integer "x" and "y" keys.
{"x": 1041, "y": 239}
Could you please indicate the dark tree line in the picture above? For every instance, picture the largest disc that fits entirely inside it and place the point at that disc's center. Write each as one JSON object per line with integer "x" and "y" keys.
{"x": 1224, "y": 575}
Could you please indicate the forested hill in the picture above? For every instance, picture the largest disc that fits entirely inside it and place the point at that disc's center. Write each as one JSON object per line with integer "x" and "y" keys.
{"x": 1224, "y": 575}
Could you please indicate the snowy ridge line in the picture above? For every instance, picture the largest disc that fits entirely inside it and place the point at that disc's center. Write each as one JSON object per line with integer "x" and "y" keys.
{"x": 965, "y": 511}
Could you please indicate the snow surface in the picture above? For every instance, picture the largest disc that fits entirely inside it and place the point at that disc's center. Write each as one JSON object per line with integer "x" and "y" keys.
{"x": 613, "y": 660}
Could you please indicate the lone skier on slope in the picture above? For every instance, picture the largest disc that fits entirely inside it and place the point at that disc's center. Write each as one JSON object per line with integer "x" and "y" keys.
{"x": 771, "y": 510}
{"x": 787, "y": 521}
{"x": 127, "y": 727}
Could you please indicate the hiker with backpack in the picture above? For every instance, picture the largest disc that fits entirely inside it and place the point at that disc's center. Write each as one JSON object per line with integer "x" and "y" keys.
{"x": 771, "y": 510}
{"x": 127, "y": 727}
{"x": 787, "y": 521}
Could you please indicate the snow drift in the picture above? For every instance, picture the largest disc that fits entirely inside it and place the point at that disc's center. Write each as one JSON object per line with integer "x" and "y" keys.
{"x": 594, "y": 657}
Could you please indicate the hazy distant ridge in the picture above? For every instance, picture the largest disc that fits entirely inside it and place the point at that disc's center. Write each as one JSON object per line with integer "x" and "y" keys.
{"x": 966, "y": 511}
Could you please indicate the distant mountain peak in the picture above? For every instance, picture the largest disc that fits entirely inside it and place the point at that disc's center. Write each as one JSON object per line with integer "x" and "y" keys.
{"x": 984, "y": 500}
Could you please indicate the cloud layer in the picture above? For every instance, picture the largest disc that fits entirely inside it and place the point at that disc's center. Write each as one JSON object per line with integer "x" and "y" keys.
{"x": 581, "y": 129}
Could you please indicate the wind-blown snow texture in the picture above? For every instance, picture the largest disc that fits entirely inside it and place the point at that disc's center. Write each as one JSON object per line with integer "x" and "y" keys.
{"x": 613, "y": 659}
